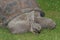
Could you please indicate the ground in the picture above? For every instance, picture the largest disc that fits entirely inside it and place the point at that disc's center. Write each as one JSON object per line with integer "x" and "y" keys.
{"x": 52, "y": 10}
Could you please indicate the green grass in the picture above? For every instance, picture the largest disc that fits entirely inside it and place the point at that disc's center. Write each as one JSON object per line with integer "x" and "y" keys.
{"x": 52, "y": 10}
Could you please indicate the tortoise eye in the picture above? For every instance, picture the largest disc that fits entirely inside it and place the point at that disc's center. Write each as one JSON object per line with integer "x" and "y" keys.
{"x": 42, "y": 14}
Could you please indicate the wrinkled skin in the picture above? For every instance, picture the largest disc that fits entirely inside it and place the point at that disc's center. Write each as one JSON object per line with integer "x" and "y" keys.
{"x": 24, "y": 23}
{"x": 45, "y": 22}
{"x": 27, "y": 23}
